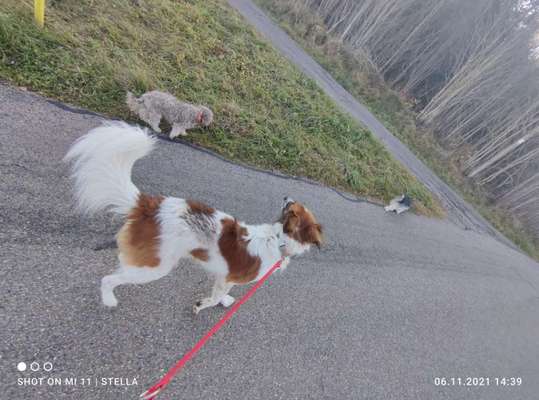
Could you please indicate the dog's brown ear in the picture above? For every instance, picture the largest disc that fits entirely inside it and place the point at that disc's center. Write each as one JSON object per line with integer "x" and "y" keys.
{"x": 313, "y": 234}
{"x": 319, "y": 237}
{"x": 291, "y": 222}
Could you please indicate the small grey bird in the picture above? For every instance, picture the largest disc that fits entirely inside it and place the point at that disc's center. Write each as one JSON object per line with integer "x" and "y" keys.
{"x": 399, "y": 204}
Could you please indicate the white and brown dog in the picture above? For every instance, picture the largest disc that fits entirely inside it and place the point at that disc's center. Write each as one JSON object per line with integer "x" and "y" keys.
{"x": 159, "y": 231}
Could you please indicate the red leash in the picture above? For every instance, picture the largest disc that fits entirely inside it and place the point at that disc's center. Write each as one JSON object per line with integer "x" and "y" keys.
{"x": 165, "y": 380}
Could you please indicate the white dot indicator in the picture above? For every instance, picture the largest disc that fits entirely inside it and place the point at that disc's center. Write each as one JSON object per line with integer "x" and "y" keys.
{"x": 21, "y": 366}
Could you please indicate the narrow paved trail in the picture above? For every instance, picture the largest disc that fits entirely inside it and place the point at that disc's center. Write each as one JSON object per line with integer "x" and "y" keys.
{"x": 387, "y": 305}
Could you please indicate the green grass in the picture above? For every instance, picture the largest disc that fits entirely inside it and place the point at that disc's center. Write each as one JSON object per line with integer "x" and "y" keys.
{"x": 360, "y": 78}
{"x": 268, "y": 114}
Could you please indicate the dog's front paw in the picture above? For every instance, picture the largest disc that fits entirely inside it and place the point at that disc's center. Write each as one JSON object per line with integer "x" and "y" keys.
{"x": 110, "y": 300}
{"x": 284, "y": 263}
{"x": 227, "y": 301}
{"x": 197, "y": 307}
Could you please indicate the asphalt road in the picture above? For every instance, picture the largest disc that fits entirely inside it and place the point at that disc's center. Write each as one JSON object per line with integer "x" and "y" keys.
{"x": 389, "y": 303}
{"x": 459, "y": 211}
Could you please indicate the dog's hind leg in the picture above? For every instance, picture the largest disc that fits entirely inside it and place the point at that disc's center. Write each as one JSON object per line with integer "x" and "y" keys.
{"x": 219, "y": 292}
{"x": 128, "y": 274}
{"x": 153, "y": 120}
{"x": 177, "y": 130}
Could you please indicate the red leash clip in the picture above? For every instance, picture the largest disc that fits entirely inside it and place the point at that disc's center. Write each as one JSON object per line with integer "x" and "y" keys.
{"x": 165, "y": 380}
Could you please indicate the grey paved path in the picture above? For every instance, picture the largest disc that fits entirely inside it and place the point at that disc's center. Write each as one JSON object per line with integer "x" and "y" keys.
{"x": 387, "y": 305}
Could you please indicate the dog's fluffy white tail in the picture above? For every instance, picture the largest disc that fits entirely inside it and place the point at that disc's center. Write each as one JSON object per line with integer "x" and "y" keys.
{"x": 102, "y": 163}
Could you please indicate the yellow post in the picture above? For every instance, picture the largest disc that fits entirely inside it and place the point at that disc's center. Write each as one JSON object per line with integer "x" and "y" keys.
{"x": 39, "y": 12}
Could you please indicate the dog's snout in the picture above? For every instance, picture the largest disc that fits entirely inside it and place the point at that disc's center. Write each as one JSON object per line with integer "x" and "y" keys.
{"x": 286, "y": 201}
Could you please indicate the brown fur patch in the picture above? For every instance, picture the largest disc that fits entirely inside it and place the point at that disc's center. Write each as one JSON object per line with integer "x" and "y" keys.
{"x": 200, "y": 254}
{"x": 242, "y": 266}
{"x": 197, "y": 207}
{"x": 301, "y": 225}
{"x": 138, "y": 240}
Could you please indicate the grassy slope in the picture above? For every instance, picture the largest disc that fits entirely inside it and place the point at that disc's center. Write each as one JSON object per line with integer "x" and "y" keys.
{"x": 364, "y": 83}
{"x": 267, "y": 113}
